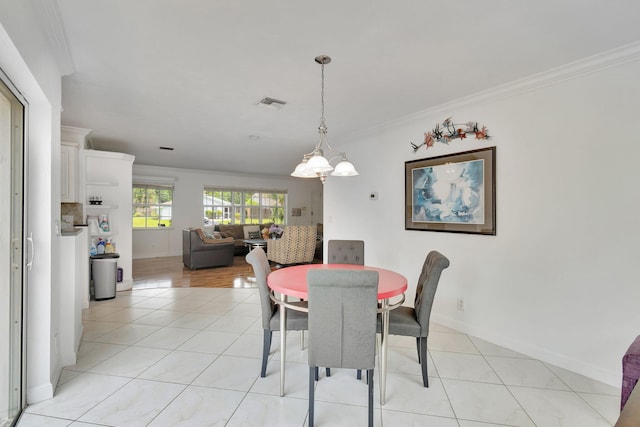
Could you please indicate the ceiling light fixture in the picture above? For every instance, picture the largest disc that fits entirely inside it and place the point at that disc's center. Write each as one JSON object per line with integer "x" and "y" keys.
{"x": 314, "y": 164}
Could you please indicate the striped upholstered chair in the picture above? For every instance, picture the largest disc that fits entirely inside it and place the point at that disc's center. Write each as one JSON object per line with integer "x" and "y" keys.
{"x": 296, "y": 246}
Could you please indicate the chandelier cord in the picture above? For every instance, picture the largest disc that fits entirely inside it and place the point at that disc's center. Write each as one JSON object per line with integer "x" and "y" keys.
{"x": 322, "y": 96}
{"x": 322, "y": 129}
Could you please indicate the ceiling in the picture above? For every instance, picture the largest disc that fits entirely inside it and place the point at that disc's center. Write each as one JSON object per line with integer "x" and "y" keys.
{"x": 188, "y": 74}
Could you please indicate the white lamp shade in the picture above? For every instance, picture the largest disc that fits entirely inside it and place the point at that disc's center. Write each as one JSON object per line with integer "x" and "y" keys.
{"x": 303, "y": 171}
{"x": 345, "y": 168}
{"x": 319, "y": 164}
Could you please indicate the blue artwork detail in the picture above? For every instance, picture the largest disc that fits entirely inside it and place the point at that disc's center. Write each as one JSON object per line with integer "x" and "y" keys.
{"x": 449, "y": 193}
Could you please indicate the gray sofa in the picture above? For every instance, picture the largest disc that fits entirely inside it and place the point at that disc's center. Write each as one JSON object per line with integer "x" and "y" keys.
{"x": 236, "y": 231}
{"x": 200, "y": 252}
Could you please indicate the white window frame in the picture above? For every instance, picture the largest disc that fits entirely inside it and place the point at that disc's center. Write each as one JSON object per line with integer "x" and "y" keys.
{"x": 160, "y": 207}
{"x": 238, "y": 213}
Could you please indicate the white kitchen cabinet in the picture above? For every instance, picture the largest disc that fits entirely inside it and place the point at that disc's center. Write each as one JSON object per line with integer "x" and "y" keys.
{"x": 72, "y": 141}
{"x": 68, "y": 173}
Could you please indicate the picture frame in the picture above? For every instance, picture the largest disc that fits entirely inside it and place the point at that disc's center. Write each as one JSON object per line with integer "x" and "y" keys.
{"x": 454, "y": 193}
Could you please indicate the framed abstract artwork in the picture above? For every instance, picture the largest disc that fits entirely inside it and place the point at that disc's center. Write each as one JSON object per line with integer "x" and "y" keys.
{"x": 455, "y": 193}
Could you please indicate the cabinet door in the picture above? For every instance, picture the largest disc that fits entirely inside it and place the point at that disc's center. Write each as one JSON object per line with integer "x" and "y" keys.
{"x": 68, "y": 175}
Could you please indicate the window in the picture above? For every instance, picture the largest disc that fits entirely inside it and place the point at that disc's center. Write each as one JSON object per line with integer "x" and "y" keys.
{"x": 152, "y": 205}
{"x": 226, "y": 206}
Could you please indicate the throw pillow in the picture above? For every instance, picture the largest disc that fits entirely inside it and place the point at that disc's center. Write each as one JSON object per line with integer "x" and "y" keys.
{"x": 254, "y": 235}
{"x": 248, "y": 228}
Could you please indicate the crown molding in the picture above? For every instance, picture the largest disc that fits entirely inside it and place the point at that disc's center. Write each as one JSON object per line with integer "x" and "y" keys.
{"x": 592, "y": 64}
{"x": 51, "y": 21}
{"x": 78, "y": 136}
{"x": 109, "y": 155}
{"x": 570, "y": 71}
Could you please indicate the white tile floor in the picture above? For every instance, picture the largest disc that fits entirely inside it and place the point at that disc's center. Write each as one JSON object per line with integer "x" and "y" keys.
{"x": 191, "y": 357}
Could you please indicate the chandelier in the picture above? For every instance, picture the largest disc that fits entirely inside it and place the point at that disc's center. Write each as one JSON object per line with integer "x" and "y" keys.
{"x": 314, "y": 164}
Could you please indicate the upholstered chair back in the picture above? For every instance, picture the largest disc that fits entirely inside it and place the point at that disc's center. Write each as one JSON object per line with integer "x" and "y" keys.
{"x": 346, "y": 252}
{"x": 296, "y": 246}
{"x": 427, "y": 286}
{"x": 261, "y": 270}
{"x": 343, "y": 306}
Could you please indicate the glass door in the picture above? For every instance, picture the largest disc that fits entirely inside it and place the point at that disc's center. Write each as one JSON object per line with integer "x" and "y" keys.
{"x": 12, "y": 260}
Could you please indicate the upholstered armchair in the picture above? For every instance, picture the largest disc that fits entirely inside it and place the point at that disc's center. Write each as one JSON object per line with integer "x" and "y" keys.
{"x": 296, "y": 246}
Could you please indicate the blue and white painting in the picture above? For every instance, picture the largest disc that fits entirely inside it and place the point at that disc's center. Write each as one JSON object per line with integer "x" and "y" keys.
{"x": 449, "y": 193}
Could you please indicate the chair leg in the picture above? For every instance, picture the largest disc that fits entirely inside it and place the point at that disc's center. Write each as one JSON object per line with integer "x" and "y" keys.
{"x": 328, "y": 371}
{"x": 313, "y": 372}
{"x": 418, "y": 349}
{"x": 370, "y": 381}
{"x": 423, "y": 359}
{"x": 266, "y": 348}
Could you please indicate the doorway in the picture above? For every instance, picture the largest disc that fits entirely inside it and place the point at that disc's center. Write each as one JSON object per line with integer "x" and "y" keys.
{"x": 12, "y": 255}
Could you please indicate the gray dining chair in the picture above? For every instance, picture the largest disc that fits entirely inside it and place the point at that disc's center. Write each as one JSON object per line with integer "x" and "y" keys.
{"x": 345, "y": 252}
{"x": 343, "y": 306}
{"x": 414, "y": 321}
{"x": 296, "y": 320}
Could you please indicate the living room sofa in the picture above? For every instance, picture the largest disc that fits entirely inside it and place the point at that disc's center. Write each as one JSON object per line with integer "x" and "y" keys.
{"x": 239, "y": 233}
{"x": 200, "y": 251}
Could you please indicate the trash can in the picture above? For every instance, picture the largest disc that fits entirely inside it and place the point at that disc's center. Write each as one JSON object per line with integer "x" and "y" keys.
{"x": 103, "y": 274}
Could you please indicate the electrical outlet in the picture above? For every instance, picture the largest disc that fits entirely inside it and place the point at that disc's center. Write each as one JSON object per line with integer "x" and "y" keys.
{"x": 460, "y": 304}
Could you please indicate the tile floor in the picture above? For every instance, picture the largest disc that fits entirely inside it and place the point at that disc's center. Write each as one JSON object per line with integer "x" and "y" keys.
{"x": 191, "y": 357}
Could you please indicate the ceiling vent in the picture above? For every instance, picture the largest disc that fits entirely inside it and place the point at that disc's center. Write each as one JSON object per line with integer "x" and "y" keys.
{"x": 271, "y": 103}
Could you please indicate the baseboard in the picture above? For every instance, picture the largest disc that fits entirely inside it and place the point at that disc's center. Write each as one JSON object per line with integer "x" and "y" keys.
{"x": 125, "y": 285}
{"x": 578, "y": 366}
{"x": 39, "y": 393}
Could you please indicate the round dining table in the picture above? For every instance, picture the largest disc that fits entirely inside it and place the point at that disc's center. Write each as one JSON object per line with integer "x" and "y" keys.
{"x": 292, "y": 282}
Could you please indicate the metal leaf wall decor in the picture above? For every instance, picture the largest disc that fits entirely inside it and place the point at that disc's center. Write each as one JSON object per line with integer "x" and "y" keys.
{"x": 449, "y": 131}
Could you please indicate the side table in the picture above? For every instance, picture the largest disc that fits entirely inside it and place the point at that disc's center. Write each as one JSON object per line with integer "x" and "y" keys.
{"x": 254, "y": 243}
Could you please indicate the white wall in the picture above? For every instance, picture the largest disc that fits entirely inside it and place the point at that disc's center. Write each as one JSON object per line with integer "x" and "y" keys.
{"x": 25, "y": 58}
{"x": 187, "y": 203}
{"x": 559, "y": 280}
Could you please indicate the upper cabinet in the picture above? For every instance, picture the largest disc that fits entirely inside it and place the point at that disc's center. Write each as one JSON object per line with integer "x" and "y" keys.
{"x": 68, "y": 173}
{"x": 72, "y": 140}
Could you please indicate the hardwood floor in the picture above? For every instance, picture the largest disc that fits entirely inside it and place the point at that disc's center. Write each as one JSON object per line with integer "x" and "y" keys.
{"x": 169, "y": 272}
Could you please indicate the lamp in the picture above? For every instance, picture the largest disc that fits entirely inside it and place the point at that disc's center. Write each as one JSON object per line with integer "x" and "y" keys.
{"x": 314, "y": 164}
